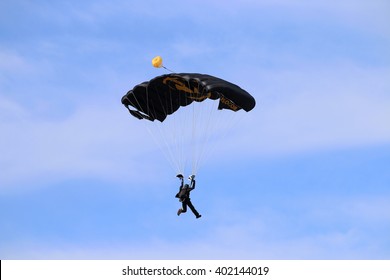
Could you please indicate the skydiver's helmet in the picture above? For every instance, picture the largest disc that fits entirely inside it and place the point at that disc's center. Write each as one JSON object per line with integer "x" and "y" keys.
{"x": 186, "y": 186}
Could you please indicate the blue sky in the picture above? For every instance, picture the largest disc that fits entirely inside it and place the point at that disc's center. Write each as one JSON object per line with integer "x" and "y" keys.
{"x": 305, "y": 175}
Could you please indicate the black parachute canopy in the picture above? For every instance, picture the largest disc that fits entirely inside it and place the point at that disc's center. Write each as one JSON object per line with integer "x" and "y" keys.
{"x": 164, "y": 95}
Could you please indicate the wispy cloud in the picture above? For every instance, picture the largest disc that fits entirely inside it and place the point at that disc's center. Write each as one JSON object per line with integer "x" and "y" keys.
{"x": 93, "y": 142}
{"x": 10, "y": 61}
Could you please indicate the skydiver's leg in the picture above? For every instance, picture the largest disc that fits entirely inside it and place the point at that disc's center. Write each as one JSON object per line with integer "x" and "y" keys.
{"x": 189, "y": 203}
{"x": 184, "y": 206}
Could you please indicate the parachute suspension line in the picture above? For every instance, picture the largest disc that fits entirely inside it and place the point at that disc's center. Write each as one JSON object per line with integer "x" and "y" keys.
{"x": 204, "y": 142}
{"x": 168, "y": 155}
{"x": 218, "y": 125}
{"x": 194, "y": 125}
{"x": 164, "y": 130}
{"x": 173, "y": 133}
{"x": 147, "y": 124}
{"x": 160, "y": 136}
{"x": 199, "y": 124}
{"x": 176, "y": 129}
{"x": 193, "y": 139}
{"x": 184, "y": 129}
{"x": 208, "y": 115}
{"x": 199, "y": 133}
{"x": 194, "y": 135}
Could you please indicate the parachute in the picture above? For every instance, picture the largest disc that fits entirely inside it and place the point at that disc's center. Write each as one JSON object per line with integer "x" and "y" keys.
{"x": 167, "y": 99}
{"x": 164, "y": 95}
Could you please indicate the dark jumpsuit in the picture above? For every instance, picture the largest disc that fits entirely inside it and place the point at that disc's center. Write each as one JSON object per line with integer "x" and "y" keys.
{"x": 184, "y": 197}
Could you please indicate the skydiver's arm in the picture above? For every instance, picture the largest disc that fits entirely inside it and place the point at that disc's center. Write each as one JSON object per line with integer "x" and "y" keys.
{"x": 182, "y": 184}
{"x": 192, "y": 184}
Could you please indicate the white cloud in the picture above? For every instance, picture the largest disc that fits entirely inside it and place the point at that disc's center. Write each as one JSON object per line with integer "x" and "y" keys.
{"x": 314, "y": 108}
{"x": 95, "y": 141}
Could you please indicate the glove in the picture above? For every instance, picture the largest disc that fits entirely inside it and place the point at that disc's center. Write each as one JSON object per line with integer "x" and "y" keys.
{"x": 192, "y": 177}
{"x": 180, "y": 176}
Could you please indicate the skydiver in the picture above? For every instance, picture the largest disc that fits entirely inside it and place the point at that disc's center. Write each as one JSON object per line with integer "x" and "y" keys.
{"x": 184, "y": 195}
